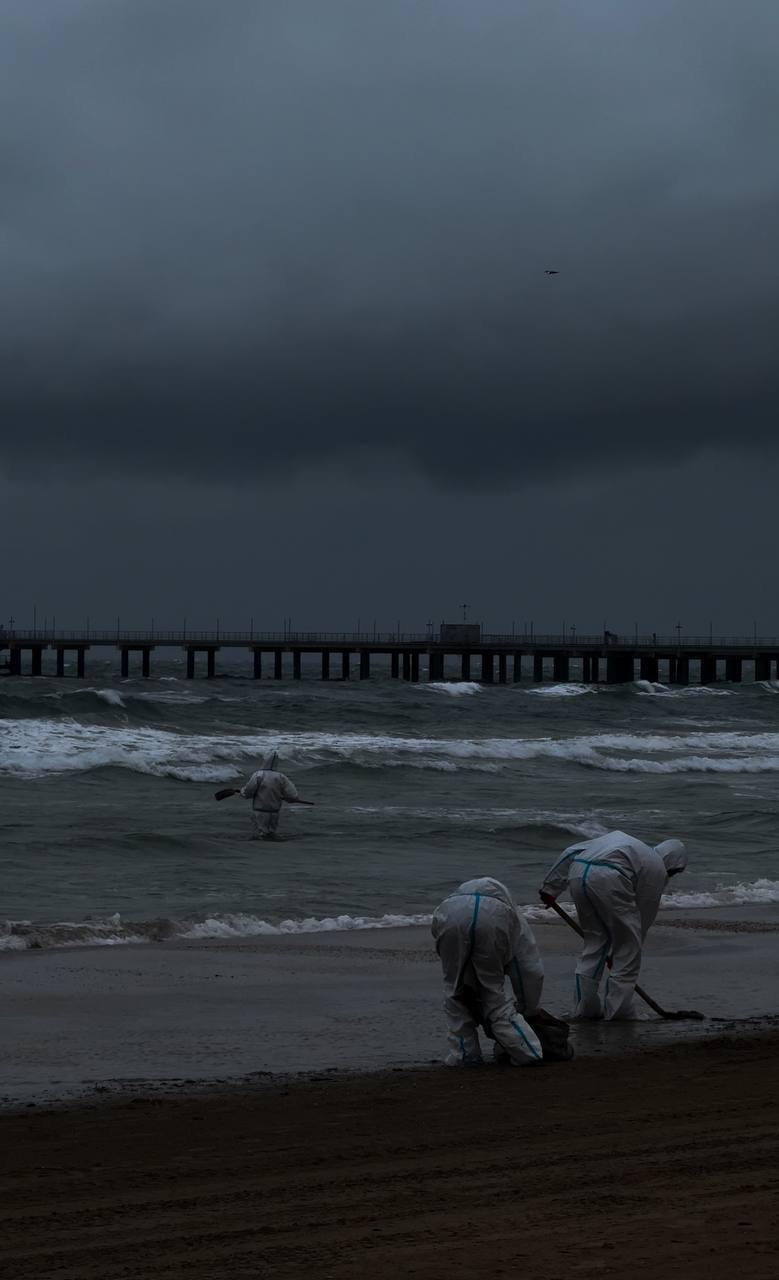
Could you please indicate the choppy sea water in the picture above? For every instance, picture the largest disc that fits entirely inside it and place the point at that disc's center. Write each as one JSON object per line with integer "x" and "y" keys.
{"x": 110, "y": 832}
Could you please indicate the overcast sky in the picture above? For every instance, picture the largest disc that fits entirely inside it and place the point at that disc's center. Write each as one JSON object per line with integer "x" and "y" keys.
{"x": 276, "y": 335}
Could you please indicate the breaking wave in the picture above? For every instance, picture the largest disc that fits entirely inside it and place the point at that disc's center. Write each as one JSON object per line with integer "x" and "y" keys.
{"x": 455, "y": 688}
{"x": 36, "y": 748}
{"x": 651, "y": 688}
{"x": 563, "y": 690}
{"x": 757, "y": 893}
{"x": 112, "y": 931}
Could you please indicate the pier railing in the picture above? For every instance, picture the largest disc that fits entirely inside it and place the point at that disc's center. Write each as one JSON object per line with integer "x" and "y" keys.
{"x": 517, "y": 640}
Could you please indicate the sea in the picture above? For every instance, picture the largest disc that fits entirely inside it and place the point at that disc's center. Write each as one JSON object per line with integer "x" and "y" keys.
{"x": 111, "y": 834}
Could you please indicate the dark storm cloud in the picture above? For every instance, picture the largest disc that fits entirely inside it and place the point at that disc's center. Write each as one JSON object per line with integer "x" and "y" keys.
{"x": 250, "y": 236}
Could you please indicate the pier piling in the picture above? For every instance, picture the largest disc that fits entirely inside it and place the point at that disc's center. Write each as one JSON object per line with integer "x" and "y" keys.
{"x": 733, "y": 670}
{"x": 560, "y": 667}
{"x": 649, "y": 668}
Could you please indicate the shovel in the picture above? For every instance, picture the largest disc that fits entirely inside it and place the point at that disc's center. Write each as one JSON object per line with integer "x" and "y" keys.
{"x": 235, "y": 791}
{"x": 674, "y": 1015}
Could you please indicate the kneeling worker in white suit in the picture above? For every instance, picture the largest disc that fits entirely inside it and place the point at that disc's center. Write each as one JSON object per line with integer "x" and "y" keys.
{"x": 481, "y": 938}
{"x": 616, "y": 883}
{"x": 268, "y": 790}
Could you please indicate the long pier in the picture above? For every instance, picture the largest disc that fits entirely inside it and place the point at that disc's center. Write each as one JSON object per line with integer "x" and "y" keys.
{"x": 455, "y": 652}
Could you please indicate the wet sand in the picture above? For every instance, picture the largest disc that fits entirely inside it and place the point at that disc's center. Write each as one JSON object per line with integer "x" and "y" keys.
{"x": 659, "y": 1165}
{"x": 171, "y": 1016}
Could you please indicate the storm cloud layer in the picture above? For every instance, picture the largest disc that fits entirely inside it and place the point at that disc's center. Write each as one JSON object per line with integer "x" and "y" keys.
{"x": 241, "y": 239}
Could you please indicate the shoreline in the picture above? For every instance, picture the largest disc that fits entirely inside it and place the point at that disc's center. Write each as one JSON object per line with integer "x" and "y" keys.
{"x": 660, "y": 1165}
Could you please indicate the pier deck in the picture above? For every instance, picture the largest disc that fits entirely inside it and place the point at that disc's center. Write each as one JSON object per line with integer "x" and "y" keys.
{"x": 488, "y": 658}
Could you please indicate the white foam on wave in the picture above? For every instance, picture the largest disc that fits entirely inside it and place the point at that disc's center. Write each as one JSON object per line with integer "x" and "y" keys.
{"x": 691, "y": 764}
{"x": 35, "y": 748}
{"x": 770, "y": 686}
{"x": 455, "y": 688}
{"x": 22, "y": 935}
{"x": 651, "y": 689}
{"x": 248, "y": 926}
{"x": 11, "y": 941}
{"x": 757, "y": 893}
{"x": 563, "y": 690}
{"x": 112, "y": 931}
{"x": 110, "y": 696}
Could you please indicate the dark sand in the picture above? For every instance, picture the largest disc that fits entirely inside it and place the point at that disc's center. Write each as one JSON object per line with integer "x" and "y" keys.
{"x": 663, "y": 1163}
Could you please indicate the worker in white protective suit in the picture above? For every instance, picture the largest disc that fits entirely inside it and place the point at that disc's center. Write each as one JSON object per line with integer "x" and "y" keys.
{"x": 481, "y": 938}
{"x": 268, "y": 790}
{"x": 616, "y": 883}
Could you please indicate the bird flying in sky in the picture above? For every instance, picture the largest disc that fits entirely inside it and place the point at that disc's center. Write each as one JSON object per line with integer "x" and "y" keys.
{"x": 551, "y": 273}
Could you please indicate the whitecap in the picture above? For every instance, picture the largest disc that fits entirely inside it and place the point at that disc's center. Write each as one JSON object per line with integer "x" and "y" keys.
{"x": 649, "y": 687}
{"x": 455, "y": 688}
{"x": 563, "y": 690}
{"x": 34, "y": 748}
{"x": 247, "y": 926}
{"x": 761, "y": 892}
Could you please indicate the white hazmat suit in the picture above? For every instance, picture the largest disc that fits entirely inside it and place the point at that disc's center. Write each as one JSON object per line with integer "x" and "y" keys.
{"x": 616, "y": 883}
{"x": 481, "y": 938}
{"x": 267, "y": 789}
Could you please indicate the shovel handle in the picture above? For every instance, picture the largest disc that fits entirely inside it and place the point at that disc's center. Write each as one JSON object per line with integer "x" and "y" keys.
{"x": 569, "y": 920}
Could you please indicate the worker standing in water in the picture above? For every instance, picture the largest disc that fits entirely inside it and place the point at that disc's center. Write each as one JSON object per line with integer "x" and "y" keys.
{"x": 616, "y": 882}
{"x": 268, "y": 789}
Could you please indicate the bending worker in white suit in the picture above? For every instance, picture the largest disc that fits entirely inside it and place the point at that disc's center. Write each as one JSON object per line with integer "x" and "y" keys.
{"x": 268, "y": 790}
{"x": 616, "y": 883}
{"x": 481, "y": 938}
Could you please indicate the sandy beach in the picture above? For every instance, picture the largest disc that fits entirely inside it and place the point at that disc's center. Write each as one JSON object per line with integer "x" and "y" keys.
{"x": 167, "y": 1017}
{"x": 276, "y": 1107}
{"x": 661, "y": 1164}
